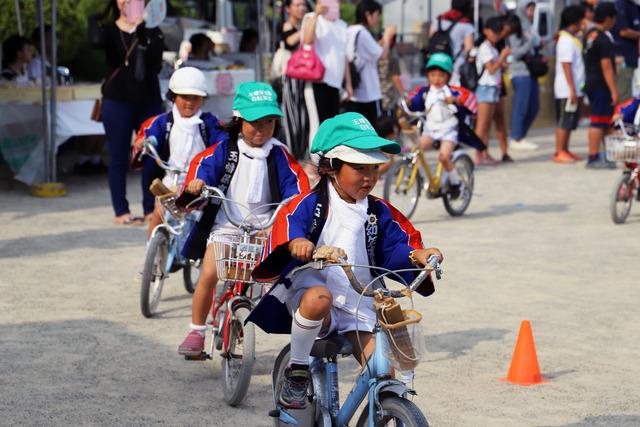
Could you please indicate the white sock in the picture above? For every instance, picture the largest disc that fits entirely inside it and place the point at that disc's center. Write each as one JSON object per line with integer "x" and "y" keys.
{"x": 454, "y": 178}
{"x": 303, "y": 334}
{"x": 201, "y": 329}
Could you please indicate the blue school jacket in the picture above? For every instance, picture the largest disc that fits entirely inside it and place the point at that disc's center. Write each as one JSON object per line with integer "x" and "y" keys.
{"x": 396, "y": 238}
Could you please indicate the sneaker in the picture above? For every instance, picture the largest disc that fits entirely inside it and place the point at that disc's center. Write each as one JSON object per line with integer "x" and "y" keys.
{"x": 522, "y": 145}
{"x": 454, "y": 191}
{"x": 600, "y": 163}
{"x": 506, "y": 158}
{"x": 293, "y": 394}
{"x": 563, "y": 157}
{"x": 192, "y": 345}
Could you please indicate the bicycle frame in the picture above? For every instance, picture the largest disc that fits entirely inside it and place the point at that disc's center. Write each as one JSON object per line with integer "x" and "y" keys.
{"x": 235, "y": 293}
{"x": 174, "y": 228}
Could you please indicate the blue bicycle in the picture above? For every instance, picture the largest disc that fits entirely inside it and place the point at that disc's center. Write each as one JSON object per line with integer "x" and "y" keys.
{"x": 387, "y": 396}
{"x": 167, "y": 239}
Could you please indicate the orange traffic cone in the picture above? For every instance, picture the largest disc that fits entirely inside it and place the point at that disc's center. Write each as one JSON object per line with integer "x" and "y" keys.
{"x": 524, "y": 368}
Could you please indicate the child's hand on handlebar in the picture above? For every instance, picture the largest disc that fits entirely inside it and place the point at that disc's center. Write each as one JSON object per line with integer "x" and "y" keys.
{"x": 422, "y": 255}
{"x": 195, "y": 187}
{"x": 302, "y": 249}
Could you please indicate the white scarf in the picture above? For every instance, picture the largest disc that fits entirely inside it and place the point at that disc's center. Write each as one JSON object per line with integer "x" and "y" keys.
{"x": 439, "y": 115}
{"x": 185, "y": 141}
{"x": 258, "y": 173}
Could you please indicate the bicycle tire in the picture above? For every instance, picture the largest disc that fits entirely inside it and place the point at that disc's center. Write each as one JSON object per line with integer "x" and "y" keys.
{"x": 153, "y": 270}
{"x": 235, "y": 389}
{"x": 458, "y": 206}
{"x": 191, "y": 274}
{"x": 396, "y": 408}
{"x": 619, "y": 217}
{"x": 399, "y": 172}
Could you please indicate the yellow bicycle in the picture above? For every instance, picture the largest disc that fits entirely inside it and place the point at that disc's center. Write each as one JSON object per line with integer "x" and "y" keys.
{"x": 409, "y": 175}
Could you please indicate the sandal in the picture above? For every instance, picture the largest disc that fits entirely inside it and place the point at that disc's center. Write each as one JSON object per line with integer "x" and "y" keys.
{"x": 127, "y": 219}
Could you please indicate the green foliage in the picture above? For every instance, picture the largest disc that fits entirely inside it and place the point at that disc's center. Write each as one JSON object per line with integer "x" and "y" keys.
{"x": 348, "y": 12}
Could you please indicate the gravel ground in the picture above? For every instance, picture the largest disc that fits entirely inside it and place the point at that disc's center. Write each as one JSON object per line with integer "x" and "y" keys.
{"x": 536, "y": 243}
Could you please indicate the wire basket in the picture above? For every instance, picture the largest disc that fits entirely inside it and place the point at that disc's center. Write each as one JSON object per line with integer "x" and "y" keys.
{"x": 622, "y": 148}
{"x": 236, "y": 255}
{"x": 406, "y": 339}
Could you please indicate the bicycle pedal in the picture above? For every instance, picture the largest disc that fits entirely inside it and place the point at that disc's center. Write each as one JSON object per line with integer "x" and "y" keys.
{"x": 199, "y": 357}
{"x": 432, "y": 195}
{"x": 218, "y": 342}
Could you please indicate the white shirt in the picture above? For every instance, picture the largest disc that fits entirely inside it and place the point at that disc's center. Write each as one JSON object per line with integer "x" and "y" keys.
{"x": 330, "y": 44}
{"x": 439, "y": 114}
{"x": 568, "y": 49}
{"x": 185, "y": 141}
{"x": 367, "y": 55}
{"x": 242, "y": 209}
{"x": 488, "y": 53}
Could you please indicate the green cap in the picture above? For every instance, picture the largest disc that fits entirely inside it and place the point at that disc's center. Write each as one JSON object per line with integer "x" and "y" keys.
{"x": 254, "y": 101}
{"x": 440, "y": 60}
{"x": 351, "y": 130}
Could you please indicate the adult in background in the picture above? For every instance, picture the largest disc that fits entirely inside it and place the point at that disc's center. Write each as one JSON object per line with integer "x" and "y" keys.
{"x": 131, "y": 94}
{"x": 34, "y": 69}
{"x": 202, "y": 55}
{"x": 462, "y": 34}
{"x": 328, "y": 34}
{"x": 626, "y": 33}
{"x": 526, "y": 91}
{"x": 599, "y": 61}
{"x": 16, "y": 54}
{"x": 364, "y": 52}
{"x": 296, "y": 120}
{"x": 390, "y": 81}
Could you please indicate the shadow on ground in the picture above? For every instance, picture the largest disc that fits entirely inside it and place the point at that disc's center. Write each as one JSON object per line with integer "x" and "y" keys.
{"x": 503, "y": 210}
{"x": 459, "y": 343}
{"x": 606, "y": 421}
{"x": 92, "y": 372}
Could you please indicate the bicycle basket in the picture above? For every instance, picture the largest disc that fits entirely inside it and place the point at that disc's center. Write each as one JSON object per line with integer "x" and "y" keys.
{"x": 404, "y": 331}
{"x": 236, "y": 255}
{"x": 622, "y": 148}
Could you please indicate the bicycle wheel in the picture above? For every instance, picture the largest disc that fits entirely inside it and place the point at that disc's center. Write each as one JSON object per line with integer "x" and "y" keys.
{"x": 621, "y": 199}
{"x": 457, "y": 207}
{"x": 397, "y": 190}
{"x": 397, "y": 411}
{"x": 153, "y": 274}
{"x": 237, "y": 364}
{"x": 191, "y": 274}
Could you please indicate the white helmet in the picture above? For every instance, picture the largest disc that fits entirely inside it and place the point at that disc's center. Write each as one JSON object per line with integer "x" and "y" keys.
{"x": 188, "y": 81}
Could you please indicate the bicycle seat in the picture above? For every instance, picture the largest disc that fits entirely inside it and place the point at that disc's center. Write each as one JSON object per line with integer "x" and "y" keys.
{"x": 331, "y": 346}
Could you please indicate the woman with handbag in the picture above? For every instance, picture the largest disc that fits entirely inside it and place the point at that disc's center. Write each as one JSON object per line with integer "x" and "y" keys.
{"x": 131, "y": 94}
{"x": 526, "y": 90}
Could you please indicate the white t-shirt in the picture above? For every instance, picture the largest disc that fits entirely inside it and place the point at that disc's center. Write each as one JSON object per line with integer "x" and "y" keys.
{"x": 568, "y": 49}
{"x": 488, "y": 53}
{"x": 367, "y": 55}
{"x": 237, "y": 192}
{"x": 330, "y": 44}
{"x": 440, "y": 116}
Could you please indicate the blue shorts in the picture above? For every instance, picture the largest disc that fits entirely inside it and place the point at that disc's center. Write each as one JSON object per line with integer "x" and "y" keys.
{"x": 488, "y": 94}
{"x": 601, "y": 108}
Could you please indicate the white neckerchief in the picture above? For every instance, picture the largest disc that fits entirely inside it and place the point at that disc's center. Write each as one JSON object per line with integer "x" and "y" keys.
{"x": 185, "y": 141}
{"x": 258, "y": 172}
{"x": 439, "y": 114}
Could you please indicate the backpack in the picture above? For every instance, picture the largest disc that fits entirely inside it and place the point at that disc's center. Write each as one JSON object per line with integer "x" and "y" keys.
{"x": 469, "y": 76}
{"x": 353, "y": 70}
{"x": 440, "y": 41}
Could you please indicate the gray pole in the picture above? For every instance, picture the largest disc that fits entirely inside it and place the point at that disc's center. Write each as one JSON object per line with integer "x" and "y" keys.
{"x": 476, "y": 16}
{"x": 19, "y": 18}
{"x": 54, "y": 85}
{"x": 261, "y": 41}
{"x": 45, "y": 107}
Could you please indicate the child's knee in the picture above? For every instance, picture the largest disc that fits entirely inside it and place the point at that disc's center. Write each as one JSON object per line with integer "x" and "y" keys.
{"x": 316, "y": 303}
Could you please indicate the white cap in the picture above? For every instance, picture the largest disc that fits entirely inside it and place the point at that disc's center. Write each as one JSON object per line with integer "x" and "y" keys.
{"x": 360, "y": 157}
{"x": 188, "y": 81}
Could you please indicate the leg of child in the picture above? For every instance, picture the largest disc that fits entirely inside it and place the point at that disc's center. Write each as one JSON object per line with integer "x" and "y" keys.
{"x": 562, "y": 140}
{"x": 446, "y": 150}
{"x": 201, "y": 305}
{"x": 595, "y": 136}
{"x": 501, "y": 127}
{"x": 368, "y": 342}
{"x": 155, "y": 219}
{"x": 483, "y": 124}
{"x": 426, "y": 142}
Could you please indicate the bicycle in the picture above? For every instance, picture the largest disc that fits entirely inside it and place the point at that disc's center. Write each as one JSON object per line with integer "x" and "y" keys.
{"x": 387, "y": 396}
{"x": 236, "y": 255}
{"x": 411, "y": 174}
{"x": 163, "y": 250}
{"x": 624, "y": 147}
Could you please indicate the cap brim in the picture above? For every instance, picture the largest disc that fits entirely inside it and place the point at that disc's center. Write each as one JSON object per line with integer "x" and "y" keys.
{"x": 374, "y": 142}
{"x": 253, "y": 114}
{"x": 194, "y": 92}
{"x": 359, "y": 157}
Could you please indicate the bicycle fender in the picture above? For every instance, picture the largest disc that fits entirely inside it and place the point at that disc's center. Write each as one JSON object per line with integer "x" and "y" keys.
{"x": 157, "y": 229}
{"x": 393, "y": 387}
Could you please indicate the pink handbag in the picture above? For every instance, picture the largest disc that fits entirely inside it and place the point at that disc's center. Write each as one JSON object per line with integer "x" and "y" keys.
{"x": 305, "y": 64}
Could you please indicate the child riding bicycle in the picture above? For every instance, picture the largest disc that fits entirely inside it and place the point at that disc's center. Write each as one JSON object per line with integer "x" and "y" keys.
{"x": 253, "y": 169}
{"x": 179, "y": 134}
{"x": 339, "y": 213}
{"x": 446, "y": 108}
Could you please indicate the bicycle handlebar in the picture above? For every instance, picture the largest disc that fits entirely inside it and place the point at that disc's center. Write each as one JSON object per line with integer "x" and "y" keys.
{"x": 433, "y": 264}
{"x": 216, "y": 193}
{"x": 149, "y": 149}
